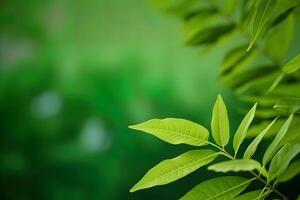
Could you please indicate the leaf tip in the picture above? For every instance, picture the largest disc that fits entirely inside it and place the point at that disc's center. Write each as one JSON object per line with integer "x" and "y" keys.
{"x": 135, "y": 188}
{"x": 250, "y": 46}
{"x": 134, "y": 127}
{"x": 255, "y": 105}
{"x": 132, "y": 190}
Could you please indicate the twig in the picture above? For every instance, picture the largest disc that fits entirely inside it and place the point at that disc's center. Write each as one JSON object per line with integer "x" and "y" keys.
{"x": 225, "y": 153}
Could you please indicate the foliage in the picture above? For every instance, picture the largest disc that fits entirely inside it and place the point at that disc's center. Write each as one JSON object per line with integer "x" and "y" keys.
{"x": 177, "y": 131}
{"x": 262, "y": 63}
{"x": 262, "y": 67}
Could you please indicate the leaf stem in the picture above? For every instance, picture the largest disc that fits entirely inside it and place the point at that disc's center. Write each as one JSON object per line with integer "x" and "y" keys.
{"x": 267, "y": 185}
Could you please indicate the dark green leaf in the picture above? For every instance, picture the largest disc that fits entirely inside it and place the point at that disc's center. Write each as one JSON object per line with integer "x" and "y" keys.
{"x": 292, "y": 66}
{"x": 282, "y": 159}
{"x": 292, "y": 171}
{"x": 273, "y": 147}
{"x": 288, "y": 105}
{"x": 261, "y": 11}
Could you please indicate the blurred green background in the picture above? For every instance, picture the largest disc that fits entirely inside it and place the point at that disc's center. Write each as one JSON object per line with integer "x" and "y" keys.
{"x": 73, "y": 76}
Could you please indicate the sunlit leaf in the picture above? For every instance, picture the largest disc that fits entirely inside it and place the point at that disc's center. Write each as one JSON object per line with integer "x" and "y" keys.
{"x": 220, "y": 122}
{"x": 242, "y": 130}
{"x": 282, "y": 159}
{"x": 292, "y": 171}
{"x": 273, "y": 147}
{"x": 175, "y": 131}
{"x": 259, "y": 16}
{"x": 237, "y": 165}
{"x": 220, "y": 188}
{"x": 253, "y": 195}
{"x": 173, "y": 169}
{"x": 253, "y": 146}
{"x": 293, "y": 65}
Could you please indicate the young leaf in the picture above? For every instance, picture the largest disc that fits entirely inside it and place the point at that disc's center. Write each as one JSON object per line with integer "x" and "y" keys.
{"x": 175, "y": 131}
{"x": 220, "y": 123}
{"x": 282, "y": 159}
{"x": 262, "y": 10}
{"x": 292, "y": 171}
{"x": 173, "y": 169}
{"x": 253, "y": 195}
{"x": 292, "y": 66}
{"x": 226, "y": 187}
{"x": 242, "y": 130}
{"x": 253, "y": 146}
{"x": 237, "y": 165}
{"x": 274, "y": 145}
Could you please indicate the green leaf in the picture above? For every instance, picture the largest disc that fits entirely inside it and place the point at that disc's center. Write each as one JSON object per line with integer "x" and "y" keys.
{"x": 173, "y": 169}
{"x": 259, "y": 17}
{"x": 293, "y": 134}
{"x": 292, "y": 66}
{"x": 273, "y": 147}
{"x": 259, "y": 127}
{"x": 281, "y": 18}
{"x": 292, "y": 171}
{"x": 226, "y": 187}
{"x": 288, "y": 105}
{"x": 282, "y": 159}
{"x": 279, "y": 39}
{"x": 242, "y": 130}
{"x": 233, "y": 58}
{"x": 220, "y": 123}
{"x": 253, "y": 146}
{"x": 253, "y": 195}
{"x": 205, "y": 28}
{"x": 237, "y": 165}
{"x": 175, "y": 131}
{"x": 210, "y": 35}
{"x": 276, "y": 83}
{"x": 178, "y": 8}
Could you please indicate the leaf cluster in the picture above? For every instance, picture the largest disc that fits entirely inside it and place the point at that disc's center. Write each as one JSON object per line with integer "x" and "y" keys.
{"x": 276, "y": 166}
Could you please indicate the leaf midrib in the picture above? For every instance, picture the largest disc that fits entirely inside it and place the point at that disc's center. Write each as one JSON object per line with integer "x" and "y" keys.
{"x": 225, "y": 191}
{"x": 219, "y": 121}
{"x": 173, "y": 132}
{"x": 183, "y": 167}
